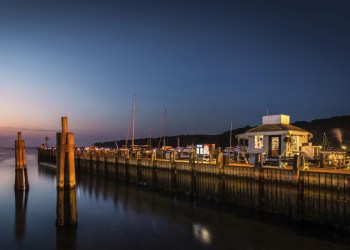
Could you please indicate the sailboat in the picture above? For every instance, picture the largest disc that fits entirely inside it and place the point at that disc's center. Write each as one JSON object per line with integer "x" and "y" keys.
{"x": 163, "y": 133}
{"x": 146, "y": 150}
{"x": 132, "y": 125}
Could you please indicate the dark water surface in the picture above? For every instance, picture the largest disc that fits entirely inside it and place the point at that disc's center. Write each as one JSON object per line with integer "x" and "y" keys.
{"x": 118, "y": 216}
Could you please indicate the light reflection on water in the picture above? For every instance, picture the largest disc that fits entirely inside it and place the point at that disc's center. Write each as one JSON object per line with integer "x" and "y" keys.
{"x": 119, "y": 216}
{"x": 202, "y": 233}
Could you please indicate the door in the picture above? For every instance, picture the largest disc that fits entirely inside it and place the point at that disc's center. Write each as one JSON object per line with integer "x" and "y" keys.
{"x": 274, "y": 146}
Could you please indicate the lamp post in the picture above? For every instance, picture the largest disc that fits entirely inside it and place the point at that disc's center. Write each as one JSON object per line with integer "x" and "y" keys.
{"x": 46, "y": 139}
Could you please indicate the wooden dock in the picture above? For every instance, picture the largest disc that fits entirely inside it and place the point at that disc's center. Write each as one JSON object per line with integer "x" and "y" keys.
{"x": 317, "y": 195}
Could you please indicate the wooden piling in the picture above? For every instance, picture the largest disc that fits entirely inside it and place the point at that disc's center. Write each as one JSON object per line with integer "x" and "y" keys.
{"x": 66, "y": 180}
{"x": 65, "y": 155}
{"x": 61, "y": 142}
{"x": 71, "y": 164}
{"x": 21, "y": 175}
{"x": 257, "y": 166}
{"x": 25, "y": 167}
{"x": 296, "y": 167}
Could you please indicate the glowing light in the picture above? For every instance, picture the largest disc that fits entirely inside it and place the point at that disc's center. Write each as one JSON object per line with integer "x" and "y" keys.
{"x": 202, "y": 233}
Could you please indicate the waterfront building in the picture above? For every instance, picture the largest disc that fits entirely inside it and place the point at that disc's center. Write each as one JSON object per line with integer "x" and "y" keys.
{"x": 275, "y": 138}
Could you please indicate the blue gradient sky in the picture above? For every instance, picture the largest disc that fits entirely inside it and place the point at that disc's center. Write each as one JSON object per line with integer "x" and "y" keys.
{"x": 207, "y": 62}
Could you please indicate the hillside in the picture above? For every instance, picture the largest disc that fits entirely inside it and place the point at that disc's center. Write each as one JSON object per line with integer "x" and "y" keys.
{"x": 336, "y": 128}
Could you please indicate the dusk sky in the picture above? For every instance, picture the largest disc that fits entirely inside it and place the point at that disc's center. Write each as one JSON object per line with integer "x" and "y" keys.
{"x": 208, "y": 63}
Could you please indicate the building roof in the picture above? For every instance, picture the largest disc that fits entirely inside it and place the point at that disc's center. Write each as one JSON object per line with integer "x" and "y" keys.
{"x": 275, "y": 127}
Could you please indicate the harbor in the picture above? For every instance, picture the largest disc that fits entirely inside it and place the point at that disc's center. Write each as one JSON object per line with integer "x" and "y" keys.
{"x": 108, "y": 209}
{"x": 314, "y": 195}
{"x": 202, "y": 125}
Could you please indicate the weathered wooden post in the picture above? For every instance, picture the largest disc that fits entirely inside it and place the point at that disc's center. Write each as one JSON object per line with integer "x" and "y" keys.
{"x": 259, "y": 176}
{"x": 193, "y": 173}
{"x": 299, "y": 188}
{"x": 66, "y": 181}
{"x": 21, "y": 174}
{"x": 173, "y": 177}
{"x": 258, "y": 166}
{"x": 126, "y": 165}
{"x": 154, "y": 170}
{"x": 65, "y": 156}
{"x": 296, "y": 167}
{"x": 222, "y": 162}
{"x": 138, "y": 168}
{"x": 116, "y": 169}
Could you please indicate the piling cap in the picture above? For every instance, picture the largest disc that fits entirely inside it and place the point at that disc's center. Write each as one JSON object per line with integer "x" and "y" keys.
{"x": 64, "y": 120}
{"x": 19, "y": 136}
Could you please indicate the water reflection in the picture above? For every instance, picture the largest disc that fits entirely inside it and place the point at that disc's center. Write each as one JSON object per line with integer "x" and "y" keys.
{"x": 202, "y": 233}
{"x": 66, "y": 238}
{"x": 21, "y": 201}
{"x": 67, "y": 218}
{"x": 66, "y": 207}
{"x": 113, "y": 214}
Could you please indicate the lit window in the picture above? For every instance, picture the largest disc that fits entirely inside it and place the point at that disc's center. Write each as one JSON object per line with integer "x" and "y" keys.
{"x": 259, "y": 141}
{"x": 295, "y": 142}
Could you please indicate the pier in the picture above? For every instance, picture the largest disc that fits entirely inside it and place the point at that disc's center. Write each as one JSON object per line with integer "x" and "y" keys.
{"x": 316, "y": 195}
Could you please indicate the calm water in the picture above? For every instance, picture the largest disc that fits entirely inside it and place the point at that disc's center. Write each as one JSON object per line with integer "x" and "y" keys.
{"x": 119, "y": 216}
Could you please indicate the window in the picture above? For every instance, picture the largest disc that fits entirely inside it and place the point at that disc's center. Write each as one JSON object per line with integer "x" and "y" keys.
{"x": 295, "y": 142}
{"x": 259, "y": 141}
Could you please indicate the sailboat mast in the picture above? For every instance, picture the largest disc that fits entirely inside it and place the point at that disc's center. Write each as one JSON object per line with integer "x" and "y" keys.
{"x": 230, "y": 137}
{"x": 133, "y": 122}
{"x": 164, "y": 128}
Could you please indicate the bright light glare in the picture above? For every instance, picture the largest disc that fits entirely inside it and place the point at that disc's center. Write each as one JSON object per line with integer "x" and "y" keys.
{"x": 202, "y": 233}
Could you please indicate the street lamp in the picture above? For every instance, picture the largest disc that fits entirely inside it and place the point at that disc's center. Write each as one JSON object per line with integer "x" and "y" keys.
{"x": 46, "y": 139}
